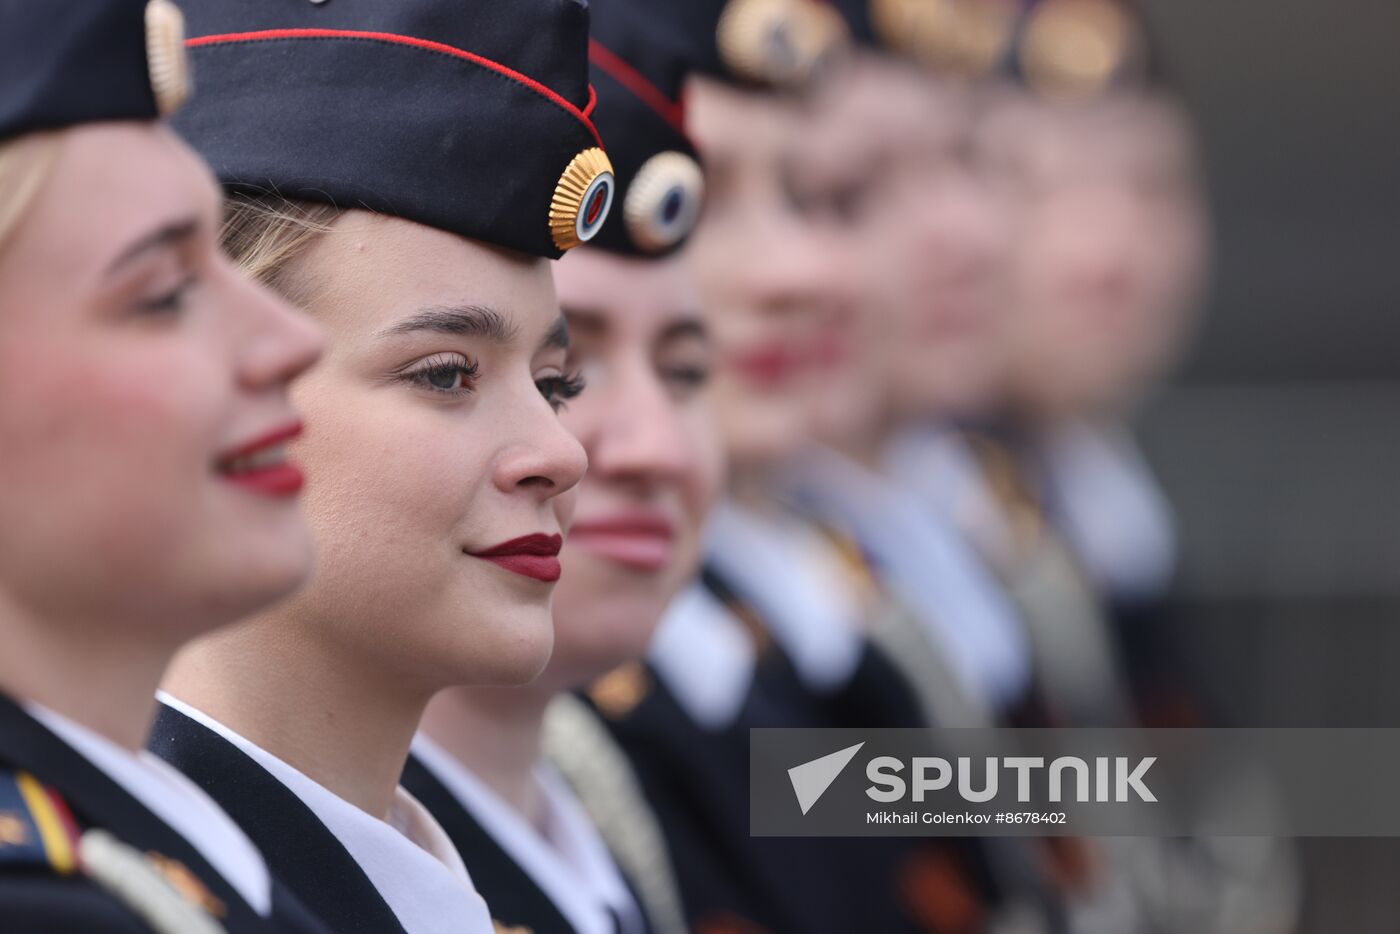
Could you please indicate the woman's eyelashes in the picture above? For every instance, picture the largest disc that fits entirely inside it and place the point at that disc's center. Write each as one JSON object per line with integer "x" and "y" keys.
{"x": 558, "y": 390}
{"x": 688, "y": 378}
{"x": 681, "y": 378}
{"x": 684, "y": 378}
{"x": 171, "y": 301}
{"x": 454, "y": 375}
{"x": 447, "y": 374}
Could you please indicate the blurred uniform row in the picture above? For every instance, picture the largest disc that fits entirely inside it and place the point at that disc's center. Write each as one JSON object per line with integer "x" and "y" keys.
{"x": 433, "y": 433}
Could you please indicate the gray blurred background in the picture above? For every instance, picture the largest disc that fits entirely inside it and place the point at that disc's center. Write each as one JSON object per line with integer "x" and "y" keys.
{"x": 1279, "y": 443}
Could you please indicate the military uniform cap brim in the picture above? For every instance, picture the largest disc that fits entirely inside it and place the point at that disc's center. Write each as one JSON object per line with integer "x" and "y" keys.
{"x": 346, "y": 105}
{"x": 639, "y": 68}
{"x": 68, "y": 62}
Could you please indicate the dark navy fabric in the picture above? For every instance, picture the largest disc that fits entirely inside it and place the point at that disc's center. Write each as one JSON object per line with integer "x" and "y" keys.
{"x": 301, "y": 852}
{"x": 639, "y": 68}
{"x": 362, "y": 113}
{"x": 42, "y": 901}
{"x": 857, "y": 16}
{"x": 515, "y": 898}
{"x": 64, "y": 62}
{"x": 696, "y": 22}
{"x": 696, "y": 781}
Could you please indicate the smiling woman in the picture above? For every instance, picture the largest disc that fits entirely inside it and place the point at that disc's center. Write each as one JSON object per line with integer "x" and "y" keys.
{"x": 441, "y": 476}
{"x": 145, "y": 494}
{"x": 165, "y": 335}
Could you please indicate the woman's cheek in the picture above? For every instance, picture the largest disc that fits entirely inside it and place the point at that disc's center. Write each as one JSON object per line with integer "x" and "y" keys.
{"x": 150, "y": 412}
{"x": 128, "y": 439}
{"x": 373, "y": 472}
{"x": 710, "y": 459}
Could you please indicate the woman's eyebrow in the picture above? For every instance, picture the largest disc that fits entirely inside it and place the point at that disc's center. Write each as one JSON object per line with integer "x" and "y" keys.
{"x": 164, "y": 237}
{"x": 692, "y": 327}
{"x": 464, "y": 320}
{"x": 585, "y": 320}
{"x": 558, "y": 336}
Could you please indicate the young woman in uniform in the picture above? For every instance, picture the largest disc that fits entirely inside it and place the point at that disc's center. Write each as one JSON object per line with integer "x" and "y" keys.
{"x": 638, "y": 338}
{"x": 145, "y": 493}
{"x": 404, "y": 172}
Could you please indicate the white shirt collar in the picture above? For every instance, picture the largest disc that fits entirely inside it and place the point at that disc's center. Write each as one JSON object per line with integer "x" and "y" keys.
{"x": 570, "y": 863}
{"x": 924, "y": 561}
{"x": 793, "y": 578}
{"x": 1112, "y": 510}
{"x": 704, "y": 657}
{"x": 177, "y": 801}
{"x": 939, "y": 470}
{"x": 1107, "y": 501}
{"x": 408, "y": 857}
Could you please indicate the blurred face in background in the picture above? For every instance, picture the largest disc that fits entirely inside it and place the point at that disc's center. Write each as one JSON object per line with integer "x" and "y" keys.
{"x": 144, "y": 396}
{"x": 642, "y": 346}
{"x": 1112, "y": 249}
{"x": 931, "y": 237}
{"x": 778, "y": 287}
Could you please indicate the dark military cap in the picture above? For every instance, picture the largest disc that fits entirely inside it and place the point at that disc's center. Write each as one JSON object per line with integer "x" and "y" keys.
{"x": 768, "y": 43}
{"x": 471, "y": 116}
{"x": 859, "y": 21}
{"x": 64, "y": 62}
{"x": 639, "y": 69}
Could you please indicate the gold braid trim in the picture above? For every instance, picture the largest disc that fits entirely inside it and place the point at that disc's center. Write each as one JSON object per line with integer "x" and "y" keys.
{"x": 581, "y": 748}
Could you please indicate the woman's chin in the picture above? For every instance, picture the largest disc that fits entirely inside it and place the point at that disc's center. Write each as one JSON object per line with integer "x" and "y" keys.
{"x": 519, "y": 650}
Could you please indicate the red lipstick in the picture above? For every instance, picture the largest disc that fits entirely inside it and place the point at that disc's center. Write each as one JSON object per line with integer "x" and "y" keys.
{"x": 535, "y": 556}
{"x": 640, "y": 541}
{"x": 261, "y": 465}
{"x": 767, "y": 366}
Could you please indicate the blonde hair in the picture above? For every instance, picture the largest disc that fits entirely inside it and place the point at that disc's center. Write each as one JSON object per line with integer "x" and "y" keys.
{"x": 266, "y": 234}
{"x": 25, "y": 164}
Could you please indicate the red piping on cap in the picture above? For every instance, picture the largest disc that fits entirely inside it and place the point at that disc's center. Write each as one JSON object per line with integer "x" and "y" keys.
{"x": 395, "y": 39}
{"x": 636, "y": 82}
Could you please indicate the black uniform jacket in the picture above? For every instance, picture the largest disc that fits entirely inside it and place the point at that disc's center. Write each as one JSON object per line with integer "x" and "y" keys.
{"x": 697, "y": 781}
{"x": 300, "y": 850}
{"x": 37, "y": 899}
{"x": 515, "y": 898}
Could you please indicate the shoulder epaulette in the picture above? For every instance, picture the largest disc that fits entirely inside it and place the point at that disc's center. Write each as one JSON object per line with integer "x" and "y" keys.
{"x": 38, "y": 833}
{"x": 36, "y": 828}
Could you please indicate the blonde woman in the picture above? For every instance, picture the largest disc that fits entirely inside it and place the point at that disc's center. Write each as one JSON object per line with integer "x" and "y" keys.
{"x": 145, "y": 493}
{"x": 428, "y": 158}
{"x": 522, "y": 824}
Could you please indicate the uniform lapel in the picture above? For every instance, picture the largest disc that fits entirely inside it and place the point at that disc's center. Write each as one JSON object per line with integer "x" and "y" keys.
{"x": 516, "y": 900}
{"x": 300, "y": 850}
{"x": 98, "y": 801}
